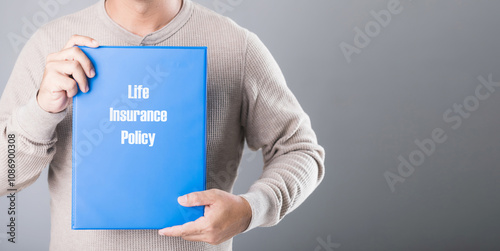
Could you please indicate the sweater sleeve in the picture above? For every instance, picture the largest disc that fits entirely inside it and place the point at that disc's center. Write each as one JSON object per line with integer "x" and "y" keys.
{"x": 29, "y": 127}
{"x": 274, "y": 121}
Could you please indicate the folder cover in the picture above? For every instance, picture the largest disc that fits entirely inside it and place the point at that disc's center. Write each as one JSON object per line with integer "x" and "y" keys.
{"x": 139, "y": 138}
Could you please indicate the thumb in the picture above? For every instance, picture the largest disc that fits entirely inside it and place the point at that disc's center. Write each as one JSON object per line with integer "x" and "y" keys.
{"x": 196, "y": 199}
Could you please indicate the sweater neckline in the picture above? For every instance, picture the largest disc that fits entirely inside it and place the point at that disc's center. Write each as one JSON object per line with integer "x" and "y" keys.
{"x": 152, "y": 38}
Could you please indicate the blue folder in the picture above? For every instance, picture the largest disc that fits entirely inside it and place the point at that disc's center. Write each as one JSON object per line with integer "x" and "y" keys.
{"x": 139, "y": 138}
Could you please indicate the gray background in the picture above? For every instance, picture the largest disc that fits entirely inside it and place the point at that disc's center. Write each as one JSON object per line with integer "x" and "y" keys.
{"x": 366, "y": 113}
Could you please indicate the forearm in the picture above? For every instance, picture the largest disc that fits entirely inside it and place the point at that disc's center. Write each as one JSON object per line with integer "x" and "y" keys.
{"x": 27, "y": 144}
{"x": 285, "y": 183}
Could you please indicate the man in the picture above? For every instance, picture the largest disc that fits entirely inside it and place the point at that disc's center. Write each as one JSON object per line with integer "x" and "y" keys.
{"x": 247, "y": 100}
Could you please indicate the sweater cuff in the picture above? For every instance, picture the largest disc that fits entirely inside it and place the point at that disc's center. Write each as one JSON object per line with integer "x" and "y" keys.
{"x": 263, "y": 208}
{"x": 37, "y": 123}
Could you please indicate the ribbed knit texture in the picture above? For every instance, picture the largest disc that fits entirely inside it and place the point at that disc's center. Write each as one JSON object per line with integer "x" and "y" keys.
{"x": 247, "y": 99}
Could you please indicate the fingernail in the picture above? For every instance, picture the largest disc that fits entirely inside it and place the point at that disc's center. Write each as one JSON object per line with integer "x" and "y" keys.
{"x": 92, "y": 73}
{"x": 160, "y": 233}
{"x": 87, "y": 89}
{"x": 182, "y": 199}
{"x": 95, "y": 42}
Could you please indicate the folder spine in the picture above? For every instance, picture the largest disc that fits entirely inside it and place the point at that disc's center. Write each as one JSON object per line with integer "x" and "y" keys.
{"x": 205, "y": 120}
{"x": 73, "y": 164}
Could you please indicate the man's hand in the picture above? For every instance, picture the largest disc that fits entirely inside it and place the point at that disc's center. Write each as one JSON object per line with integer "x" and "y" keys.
{"x": 226, "y": 215}
{"x": 65, "y": 71}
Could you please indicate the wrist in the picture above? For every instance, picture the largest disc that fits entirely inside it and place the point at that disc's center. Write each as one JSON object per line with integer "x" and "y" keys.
{"x": 37, "y": 124}
{"x": 41, "y": 101}
{"x": 247, "y": 213}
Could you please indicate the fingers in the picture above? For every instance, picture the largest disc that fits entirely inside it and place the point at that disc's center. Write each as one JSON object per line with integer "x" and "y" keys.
{"x": 65, "y": 84}
{"x": 190, "y": 234}
{"x": 70, "y": 69}
{"x": 81, "y": 41}
{"x": 65, "y": 72}
{"x": 224, "y": 217}
{"x": 74, "y": 69}
{"x": 198, "y": 237}
{"x": 197, "y": 198}
{"x": 188, "y": 229}
{"x": 74, "y": 54}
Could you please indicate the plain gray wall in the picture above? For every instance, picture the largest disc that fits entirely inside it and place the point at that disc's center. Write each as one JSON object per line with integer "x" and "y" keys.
{"x": 366, "y": 113}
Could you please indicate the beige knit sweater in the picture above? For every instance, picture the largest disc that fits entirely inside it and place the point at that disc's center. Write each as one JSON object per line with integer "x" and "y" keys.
{"x": 247, "y": 100}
